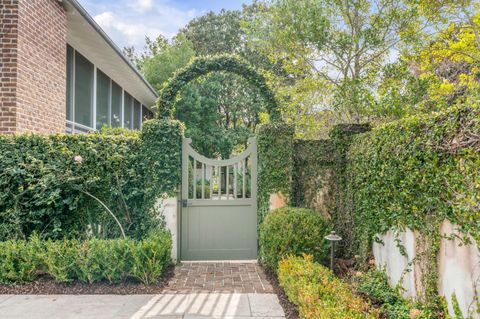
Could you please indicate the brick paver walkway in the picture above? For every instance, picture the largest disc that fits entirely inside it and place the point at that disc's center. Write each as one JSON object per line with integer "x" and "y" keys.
{"x": 235, "y": 277}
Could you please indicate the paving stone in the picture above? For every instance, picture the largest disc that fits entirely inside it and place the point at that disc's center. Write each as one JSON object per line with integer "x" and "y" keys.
{"x": 219, "y": 277}
{"x": 265, "y": 305}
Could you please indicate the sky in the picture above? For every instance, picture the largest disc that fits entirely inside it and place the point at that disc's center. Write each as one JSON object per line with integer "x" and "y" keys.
{"x": 128, "y": 21}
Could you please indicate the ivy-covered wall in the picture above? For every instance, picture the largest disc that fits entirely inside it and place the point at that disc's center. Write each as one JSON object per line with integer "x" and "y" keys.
{"x": 319, "y": 180}
{"x": 415, "y": 173}
{"x": 313, "y": 175}
{"x": 275, "y": 163}
{"x": 55, "y": 185}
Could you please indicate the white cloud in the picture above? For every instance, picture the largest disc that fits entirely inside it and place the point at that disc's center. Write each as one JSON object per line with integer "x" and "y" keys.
{"x": 142, "y": 5}
{"x": 128, "y": 27}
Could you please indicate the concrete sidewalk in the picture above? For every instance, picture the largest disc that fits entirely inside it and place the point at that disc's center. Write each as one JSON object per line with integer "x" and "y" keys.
{"x": 162, "y": 306}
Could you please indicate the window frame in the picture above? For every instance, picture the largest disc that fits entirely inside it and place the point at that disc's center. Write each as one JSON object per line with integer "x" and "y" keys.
{"x": 71, "y": 125}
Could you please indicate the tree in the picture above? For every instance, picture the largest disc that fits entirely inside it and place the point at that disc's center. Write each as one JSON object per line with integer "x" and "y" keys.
{"x": 441, "y": 73}
{"x": 221, "y": 110}
{"x": 339, "y": 45}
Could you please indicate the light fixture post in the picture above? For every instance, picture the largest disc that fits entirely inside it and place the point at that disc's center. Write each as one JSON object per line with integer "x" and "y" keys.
{"x": 332, "y": 237}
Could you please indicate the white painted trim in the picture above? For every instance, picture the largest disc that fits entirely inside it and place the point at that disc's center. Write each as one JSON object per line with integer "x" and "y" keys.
{"x": 123, "y": 107}
{"x": 94, "y": 97}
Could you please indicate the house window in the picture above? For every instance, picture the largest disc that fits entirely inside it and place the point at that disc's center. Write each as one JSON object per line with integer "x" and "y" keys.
{"x": 103, "y": 100}
{"x": 128, "y": 111}
{"x": 116, "y": 112}
{"x": 137, "y": 115}
{"x": 83, "y": 95}
{"x": 95, "y": 100}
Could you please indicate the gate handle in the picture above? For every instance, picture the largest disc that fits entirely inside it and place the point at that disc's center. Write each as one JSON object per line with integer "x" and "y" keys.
{"x": 185, "y": 203}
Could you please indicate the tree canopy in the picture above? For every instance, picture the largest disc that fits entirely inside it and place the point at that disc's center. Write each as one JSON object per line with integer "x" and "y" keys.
{"x": 326, "y": 61}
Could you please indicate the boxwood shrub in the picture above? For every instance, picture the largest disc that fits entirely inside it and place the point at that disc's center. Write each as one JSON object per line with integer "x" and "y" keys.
{"x": 88, "y": 261}
{"x": 292, "y": 231}
{"x": 318, "y": 293}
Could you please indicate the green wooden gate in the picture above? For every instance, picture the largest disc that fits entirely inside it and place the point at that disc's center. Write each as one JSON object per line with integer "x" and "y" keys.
{"x": 219, "y": 205}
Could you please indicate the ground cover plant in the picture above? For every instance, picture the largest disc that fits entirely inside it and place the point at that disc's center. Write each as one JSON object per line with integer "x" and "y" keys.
{"x": 374, "y": 284}
{"x": 93, "y": 260}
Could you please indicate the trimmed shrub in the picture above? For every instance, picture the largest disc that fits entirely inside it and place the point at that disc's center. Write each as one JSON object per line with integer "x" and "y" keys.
{"x": 292, "y": 231}
{"x": 87, "y": 261}
{"x": 318, "y": 293}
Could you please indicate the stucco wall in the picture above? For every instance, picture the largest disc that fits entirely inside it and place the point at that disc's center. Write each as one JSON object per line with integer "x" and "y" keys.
{"x": 169, "y": 208}
{"x": 458, "y": 266}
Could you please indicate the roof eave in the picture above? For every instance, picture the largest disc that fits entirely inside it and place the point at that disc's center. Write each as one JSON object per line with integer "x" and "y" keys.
{"x": 109, "y": 41}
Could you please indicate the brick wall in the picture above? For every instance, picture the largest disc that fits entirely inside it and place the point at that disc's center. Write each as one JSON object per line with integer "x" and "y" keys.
{"x": 8, "y": 64}
{"x": 36, "y": 75}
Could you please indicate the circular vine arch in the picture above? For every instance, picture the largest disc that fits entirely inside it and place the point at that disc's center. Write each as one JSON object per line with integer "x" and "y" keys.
{"x": 204, "y": 65}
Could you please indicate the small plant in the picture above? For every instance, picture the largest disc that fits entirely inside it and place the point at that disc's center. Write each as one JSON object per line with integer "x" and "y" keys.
{"x": 19, "y": 261}
{"x": 318, "y": 293}
{"x": 293, "y": 231}
{"x": 374, "y": 284}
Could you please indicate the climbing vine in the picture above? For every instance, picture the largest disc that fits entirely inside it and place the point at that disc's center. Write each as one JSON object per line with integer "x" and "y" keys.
{"x": 275, "y": 163}
{"x": 416, "y": 173}
{"x": 205, "y": 65}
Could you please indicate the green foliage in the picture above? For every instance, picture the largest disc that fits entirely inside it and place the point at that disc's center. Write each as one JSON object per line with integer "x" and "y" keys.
{"x": 416, "y": 173}
{"x": 313, "y": 173}
{"x": 160, "y": 156}
{"x": 44, "y": 181}
{"x": 205, "y": 65}
{"x": 374, "y": 284}
{"x": 293, "y": 231}
{"x": 87, "y": 261}
{"x": 275, "y": 163}
{"x": 341, "y": 138}
{"x": 318, "y": 293}
{"x": 19, "y": 260}
{"x": 161, "y": 65}
{"x": 332, "y": 49}
{"x": 217, "y": 119}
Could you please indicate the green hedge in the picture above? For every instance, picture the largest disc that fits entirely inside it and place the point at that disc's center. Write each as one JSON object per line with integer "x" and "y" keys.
{"x": 318, "y": 293}
{"x": 88, "y": 261}
{"x": 275, "y": 163}
{"x": 292, "y": 231}
{"x": 55, "y": 184}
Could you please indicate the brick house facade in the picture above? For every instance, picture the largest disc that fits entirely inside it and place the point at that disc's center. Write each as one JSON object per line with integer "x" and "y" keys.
{"x": 34, "y": 35}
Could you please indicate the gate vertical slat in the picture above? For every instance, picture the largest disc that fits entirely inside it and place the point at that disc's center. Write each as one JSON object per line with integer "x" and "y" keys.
{"x": 235, "y": 180}
{"x": 211, "y": 181}
{"x": 194, "y": 178}
{"x": 227, "y": 184}
{"x": 243, "y": 179}
{"x": 203, "y": 181}
{"x": 219, "y": 182}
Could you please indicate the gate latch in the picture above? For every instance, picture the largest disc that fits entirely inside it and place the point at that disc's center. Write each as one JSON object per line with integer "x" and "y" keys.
{"x": 185, "y": 203}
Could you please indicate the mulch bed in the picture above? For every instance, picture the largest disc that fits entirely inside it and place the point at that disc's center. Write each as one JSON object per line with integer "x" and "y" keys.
{"x": 47, "y": 286}
{"x": 291, "y": 311}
